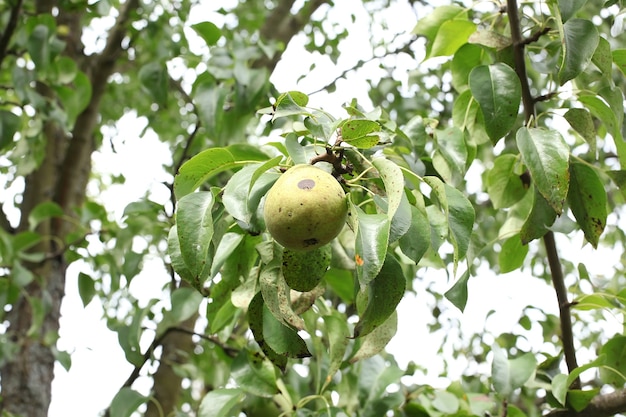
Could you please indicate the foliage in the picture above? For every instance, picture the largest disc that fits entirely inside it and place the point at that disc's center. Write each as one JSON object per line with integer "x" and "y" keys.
{"x": 509, "y": 141}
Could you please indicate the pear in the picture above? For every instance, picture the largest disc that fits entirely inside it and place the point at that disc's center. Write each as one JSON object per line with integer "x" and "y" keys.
{"x": 305, "y": 209}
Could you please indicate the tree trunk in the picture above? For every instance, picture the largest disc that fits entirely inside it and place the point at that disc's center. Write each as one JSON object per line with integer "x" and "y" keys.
{"x": 62, "y": 178}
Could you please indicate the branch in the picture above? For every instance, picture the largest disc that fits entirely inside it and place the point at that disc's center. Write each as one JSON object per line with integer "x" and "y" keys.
{"x": 9, "y": 29}
{"x": 280, "y": 26}
{"x": 4, "y": 222}
{"x": 604, "y": 405}
{"x": 556, "y": 271}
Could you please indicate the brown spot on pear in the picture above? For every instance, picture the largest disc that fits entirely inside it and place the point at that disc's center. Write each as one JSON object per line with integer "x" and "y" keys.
{"x": 306, "y": 208}
{"x": 303, "y": 270}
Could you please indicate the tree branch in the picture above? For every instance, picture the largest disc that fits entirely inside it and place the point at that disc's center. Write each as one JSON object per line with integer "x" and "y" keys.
{"x": 604, "y": 405}
{"x": 281, "y": 26}
{"x": 4, "y": 222}
{"x": 556, "y": 271}
{"x": 9, "y": 29}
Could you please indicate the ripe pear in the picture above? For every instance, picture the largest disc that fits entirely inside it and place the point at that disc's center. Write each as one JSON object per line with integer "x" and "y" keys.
{"x": 304, "y": 270}
{"x": 306, "y": 208}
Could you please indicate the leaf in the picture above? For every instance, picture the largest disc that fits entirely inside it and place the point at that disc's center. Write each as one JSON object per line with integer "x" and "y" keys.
{"x": 582, "y": 122}
{"x": 512, "y": 254}
{"x": 497, "y": 90}
{"x": 220, "y": 402}
{"x": 538, "y": 222}
{"x": 510, "y": 374}
{"x": 587, "y": 200}
{"x": 208, "y": 31}
{"x": 244, "y": 205}
{"x": 568, "y": 8}
{"x": 463, "y": 62}
{"x": 194, "y": 224}
{"x": 373, "y": 343}
{"x": 383, "y": 295}
{"x": 561, "y": 383}
{"x": 393, "y": 181}
{"x": 429, "y": 25}
{"x": 360, "y": 133}
{"x": 44, "y": 211}
{"x": 254, "y": 376}
{"x": 600, "y": 109}
{"x": 613, "y": 370}
{"x": 452, "y": 34}
{"x": 504, "y": 183}
{"x": 86, "y": 288}
{"x": 546, "y": 156}
{"x": 185, "y": 303}
{"x": 580, "y": 39}
{"x": 39, "y": 46}
{"x": 416, "y": 241}
{"x": 176, "y": 258}
{"x": 338, "y": 335}
{"x": 126, "y": 402}
{"x": 154, "y": 79}
{"x": 212, "y": 161}
{"x": 458, "y": 294}
{"x": 602, "y": 58}
{"x": 227, "y": 246}
{"x": 283, "y": 340}
{"x": 372, "y": 238}
{"x": 276, "y": 296}
{"x": 291, "y": 103}
{"x": 459, "y": 213}
{"x": 450, "y": 157}
{"x": 10, "y": 123}
{"x": 619, "y": 58}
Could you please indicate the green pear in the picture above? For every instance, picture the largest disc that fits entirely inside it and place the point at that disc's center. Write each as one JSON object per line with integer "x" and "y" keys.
{"x": 304, "y": 270}
{"x": 306, "y": 208}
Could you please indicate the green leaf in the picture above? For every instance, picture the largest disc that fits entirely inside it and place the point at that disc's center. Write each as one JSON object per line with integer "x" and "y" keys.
{"x": 452, "y": 34}
{"x": 338, "y": 335}
{"x": 86, "y": 288}
{"x": 608, "y": 118}
{"x": 154, "y": 79}
{"x": 372, "y": 238}
{"x": 384, "y": 293}
{"x": 463, "y": 62}
{"x": 276, "y": 296}
{"x": 282, "y": 339}
{"x": 459, "y": 213}
{"x": 613, "y": 370}
{"x": 10, "y": 123}
{"x": 450, "y": 157}
{"x": 446, "y": 402}
{"x": 568, "y": 8}
{"x": 416, "y": 241}
{"x": 561, "y": 383}
{"x": 255, "y": 376}
{"x": 580, "y": 39}
{"x": 582, "y": 122}
{"x": 538, "y": 222}
{"x": 226, "y": 248}
{"x": 185, "y": 303}
{"x": 504, "y": 183}
{"x": 291, "y": 103}
{"x": 244, "y": 205}
{"x": 44, "y": 211}
{"x": 510, "y": 374}
{"x": 220, "y": 402}
{"x": 619, "y": 58}
{"x": 126, "y": 402}
{"x": 457, "y": 294}
{"x": 256, "y": 319}
{"x": 602, "y": 58}
{"x": 208, "y": 32}
{"x": 212, "y": 161}
{"x": 374, "y": 342}
{"x": 194, "y": 222}
{"x": 393, "y": 181}
{"x": 587, "y": 200}
{"x": 512, "y": 254}
{"x": 360, "y": 133}
{"x": 497, "y": 90}
{"x": 546, "y": 155}
{"x": 39, "y": 47}
{"x": 178, "y": 263}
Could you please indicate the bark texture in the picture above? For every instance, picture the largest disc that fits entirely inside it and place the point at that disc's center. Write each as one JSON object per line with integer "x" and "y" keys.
{"x": 62, "y": 177}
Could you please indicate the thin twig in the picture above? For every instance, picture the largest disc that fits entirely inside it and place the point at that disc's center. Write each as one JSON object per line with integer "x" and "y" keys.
{"x": 9, "y": 29}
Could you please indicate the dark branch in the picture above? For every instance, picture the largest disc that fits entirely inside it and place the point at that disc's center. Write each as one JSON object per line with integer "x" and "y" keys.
{"x": 604, "y": 405}
{"x": 9, "y": 29}
{"x": 556, "y": 271}
{"x": 4, "y": 222}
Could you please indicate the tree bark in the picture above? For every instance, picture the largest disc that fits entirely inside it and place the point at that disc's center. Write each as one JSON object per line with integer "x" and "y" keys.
{"x": 62, "y": 177}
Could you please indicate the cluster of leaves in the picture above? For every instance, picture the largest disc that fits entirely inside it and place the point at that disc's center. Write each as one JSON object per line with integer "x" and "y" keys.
{"x": 407, "y": 196}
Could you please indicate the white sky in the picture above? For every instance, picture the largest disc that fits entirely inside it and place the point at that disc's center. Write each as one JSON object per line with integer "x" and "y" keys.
{"x": 98, "y": 364}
